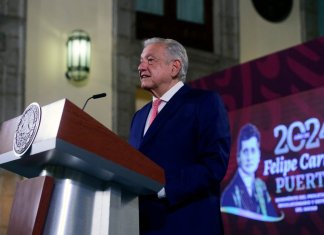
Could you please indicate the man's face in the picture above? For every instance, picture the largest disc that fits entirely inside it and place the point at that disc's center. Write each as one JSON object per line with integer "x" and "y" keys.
{"x": 156, "y": 70}
{"x": 249, "y": 156}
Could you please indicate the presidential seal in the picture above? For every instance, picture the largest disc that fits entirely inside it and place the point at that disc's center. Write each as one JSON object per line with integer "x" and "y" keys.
{"x": 27, "y": 129}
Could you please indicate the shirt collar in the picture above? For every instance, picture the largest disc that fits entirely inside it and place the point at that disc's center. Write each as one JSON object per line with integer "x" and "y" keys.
{"x": 168, "y": 95}
{"x": 247, "y": 179}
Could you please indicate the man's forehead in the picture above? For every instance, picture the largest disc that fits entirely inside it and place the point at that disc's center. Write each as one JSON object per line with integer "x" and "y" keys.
{"x": 251, "y": 141}
{"x": 152, "y": 50}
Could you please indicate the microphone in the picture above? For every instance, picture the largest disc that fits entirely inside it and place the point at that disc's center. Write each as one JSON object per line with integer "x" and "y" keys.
{"x": 97, "y": 96}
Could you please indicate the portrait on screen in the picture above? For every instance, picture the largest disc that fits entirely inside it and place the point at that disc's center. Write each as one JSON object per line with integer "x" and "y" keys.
{"x": 247, "y": 195}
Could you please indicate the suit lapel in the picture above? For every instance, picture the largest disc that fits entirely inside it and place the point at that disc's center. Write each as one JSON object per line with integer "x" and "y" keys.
{"x": 140, "y": 125}
{"x": 168, "y": 111}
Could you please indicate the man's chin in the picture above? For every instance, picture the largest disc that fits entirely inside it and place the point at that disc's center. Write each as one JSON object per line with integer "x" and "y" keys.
{"x": 145, "y": 86}
{"x": 250, "y": 172}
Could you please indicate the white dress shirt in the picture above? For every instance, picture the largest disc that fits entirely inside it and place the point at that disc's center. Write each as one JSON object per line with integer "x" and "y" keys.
{"x": 248, "y": 181}
{"x": 165, "y": 99}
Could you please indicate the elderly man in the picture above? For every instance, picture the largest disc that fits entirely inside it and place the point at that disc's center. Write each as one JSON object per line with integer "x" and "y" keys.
{"x": 186, "y": 132}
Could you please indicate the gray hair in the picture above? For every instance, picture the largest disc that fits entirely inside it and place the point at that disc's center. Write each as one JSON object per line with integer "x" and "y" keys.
{"x": 175, "y": 50}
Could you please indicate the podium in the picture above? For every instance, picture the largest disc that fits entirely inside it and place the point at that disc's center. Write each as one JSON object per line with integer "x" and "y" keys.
{"x": 81, "y": 178}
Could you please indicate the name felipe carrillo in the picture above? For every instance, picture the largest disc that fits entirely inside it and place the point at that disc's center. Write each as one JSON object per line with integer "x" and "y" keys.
{"x": 289, "y": 181}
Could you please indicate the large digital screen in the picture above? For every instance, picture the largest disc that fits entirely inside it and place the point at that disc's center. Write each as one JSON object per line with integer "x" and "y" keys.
{"x": 275, "y": 178}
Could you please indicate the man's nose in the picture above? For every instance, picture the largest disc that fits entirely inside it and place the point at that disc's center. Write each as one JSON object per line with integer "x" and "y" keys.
{"x": 248, "y": 155}
{"x": 141, "y": 66}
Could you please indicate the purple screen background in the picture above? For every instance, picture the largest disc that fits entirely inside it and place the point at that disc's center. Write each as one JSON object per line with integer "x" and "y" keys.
{"x": 281, "y": 88}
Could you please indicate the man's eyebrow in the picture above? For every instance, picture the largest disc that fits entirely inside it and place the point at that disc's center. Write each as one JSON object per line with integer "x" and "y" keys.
{"x": 149, "y": 56}
{"x": 145, "y": 56}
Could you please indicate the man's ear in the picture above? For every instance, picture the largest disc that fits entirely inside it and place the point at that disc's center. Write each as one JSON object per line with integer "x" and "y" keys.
{"x": 176, "y": 66}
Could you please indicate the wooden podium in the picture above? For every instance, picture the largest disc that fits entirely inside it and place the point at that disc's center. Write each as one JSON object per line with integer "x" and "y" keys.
{"x": 81, "y": 178}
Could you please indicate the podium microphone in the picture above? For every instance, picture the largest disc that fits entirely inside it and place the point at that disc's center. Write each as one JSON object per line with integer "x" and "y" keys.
{"x": 97, "y": 96}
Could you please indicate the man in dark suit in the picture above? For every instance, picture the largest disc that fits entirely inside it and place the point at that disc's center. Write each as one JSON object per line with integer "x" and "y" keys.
{"x": 247, "y": 195}
{"x": 189, "y": 139}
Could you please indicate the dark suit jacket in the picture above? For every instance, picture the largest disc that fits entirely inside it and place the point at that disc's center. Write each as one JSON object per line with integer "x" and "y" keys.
{"x": 236, "y": 195}
{"x": 190, "y": 140}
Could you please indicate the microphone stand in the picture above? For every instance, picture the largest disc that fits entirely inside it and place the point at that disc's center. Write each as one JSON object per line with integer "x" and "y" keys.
{"x": 86, "y": 102}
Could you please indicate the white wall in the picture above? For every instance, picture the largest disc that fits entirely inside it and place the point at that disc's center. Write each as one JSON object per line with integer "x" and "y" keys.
{"x": 259, "y": 37}
{"x": 48, "y": 25}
